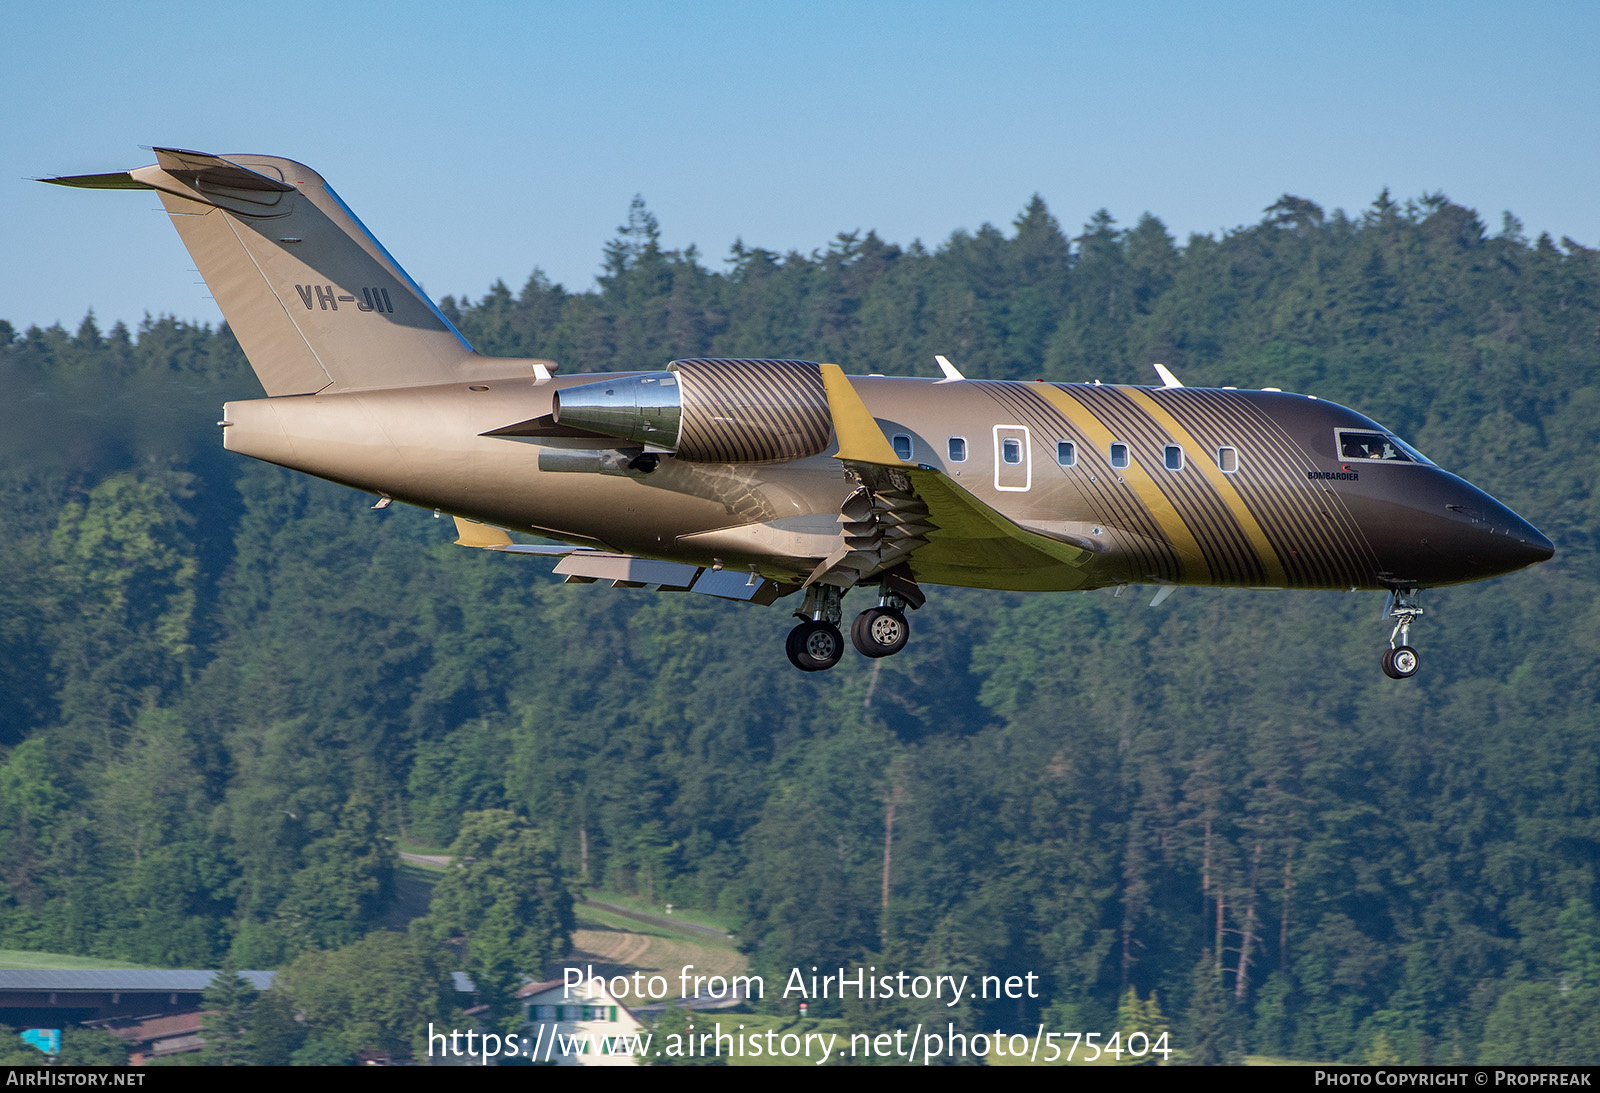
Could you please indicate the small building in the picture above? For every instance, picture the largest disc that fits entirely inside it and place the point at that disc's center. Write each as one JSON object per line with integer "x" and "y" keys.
{"x": 156, "y": 1013}
{"x": 582, "y": 1025}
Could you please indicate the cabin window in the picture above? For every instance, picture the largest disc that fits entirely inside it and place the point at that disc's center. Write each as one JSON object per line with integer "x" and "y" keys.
{"x": 902, "y": 446}
{"x": 1172, "y": 458}
{"x": 1119, "y": 456}
{"x": 1227, "y": 460}
{"x": 958, "y": 449}
{"x": 1066, "y": 453}
{"x": 1013, "y": 469}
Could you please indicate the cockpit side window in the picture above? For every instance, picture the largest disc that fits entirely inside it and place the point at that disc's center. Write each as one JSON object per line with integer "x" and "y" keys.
{"x": 1360, "y": 444}
{"x": 1412, "y": 452}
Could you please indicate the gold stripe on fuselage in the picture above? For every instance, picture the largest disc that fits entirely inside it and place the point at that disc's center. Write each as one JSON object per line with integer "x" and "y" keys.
{"x": 1137, "y": 538}
{"x": 1154, "y": 500}
{"x": 1225, "y": 489}
{"x": 1228, "y": 551}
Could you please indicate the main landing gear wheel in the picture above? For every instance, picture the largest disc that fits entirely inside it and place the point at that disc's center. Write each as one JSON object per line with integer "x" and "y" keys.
{"x": 880, "y": 632}
{"x": 815, "y": 646}
{"x": 1400, "y": 663}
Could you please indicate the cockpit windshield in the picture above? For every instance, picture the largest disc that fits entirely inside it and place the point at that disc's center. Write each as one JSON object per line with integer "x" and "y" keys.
{"x": 1359, "y": 444}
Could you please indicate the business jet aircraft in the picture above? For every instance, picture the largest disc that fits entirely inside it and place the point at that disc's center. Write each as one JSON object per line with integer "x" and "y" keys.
{"x": 759, "y": 479}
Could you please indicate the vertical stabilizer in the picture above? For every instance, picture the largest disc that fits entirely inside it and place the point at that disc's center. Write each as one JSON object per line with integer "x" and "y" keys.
{"x": 314, "y": 299}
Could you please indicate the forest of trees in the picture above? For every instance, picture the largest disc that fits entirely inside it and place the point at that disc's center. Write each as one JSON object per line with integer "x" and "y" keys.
{"x": 228, "y": 689}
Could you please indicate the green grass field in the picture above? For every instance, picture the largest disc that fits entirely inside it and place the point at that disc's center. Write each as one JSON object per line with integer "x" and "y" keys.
{"x": 618, "y": 945}
{"x": 27, "y": 960}
{"x": 697, "y": 915}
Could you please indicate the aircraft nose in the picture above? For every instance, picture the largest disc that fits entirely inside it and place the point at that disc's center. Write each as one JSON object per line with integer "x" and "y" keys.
{"x": 1508, "y": 542}
{"x": 1531, "y": 545}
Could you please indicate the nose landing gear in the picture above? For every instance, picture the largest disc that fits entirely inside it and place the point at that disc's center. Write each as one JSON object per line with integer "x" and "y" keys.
{"x": 1401, "y": 660}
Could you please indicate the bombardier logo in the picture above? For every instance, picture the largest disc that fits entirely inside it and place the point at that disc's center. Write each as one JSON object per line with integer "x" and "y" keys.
{"x": 1343, "y": 476}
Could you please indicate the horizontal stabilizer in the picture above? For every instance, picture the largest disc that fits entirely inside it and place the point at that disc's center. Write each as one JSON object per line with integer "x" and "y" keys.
{"x": 117, "y": 180}
{"x": 199, "y": 176}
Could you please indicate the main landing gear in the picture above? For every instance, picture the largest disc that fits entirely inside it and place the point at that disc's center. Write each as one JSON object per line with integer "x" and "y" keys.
{"x": 816, "y": 644}
{"x": 881, "y": 631}
{"x": 1401, "y": 660}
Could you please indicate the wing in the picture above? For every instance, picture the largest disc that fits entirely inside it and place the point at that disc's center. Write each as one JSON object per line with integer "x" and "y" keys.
{"x": 917, "y": 515}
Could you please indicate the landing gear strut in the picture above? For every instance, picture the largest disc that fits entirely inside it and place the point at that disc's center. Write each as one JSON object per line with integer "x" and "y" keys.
{"x": 816, "y": 644}
{"x": 1401, "y": 660}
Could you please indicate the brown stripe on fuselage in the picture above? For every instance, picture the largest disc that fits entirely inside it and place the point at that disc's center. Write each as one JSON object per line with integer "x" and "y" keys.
{"x": 1333, "y": 531}
{"x": 1279, "y": 490}
{"x": 1266, "y": 566}
{"x": 1311, "y": 531}
{"x": 1264, "y": 480}
{"x": 1133, "y": 483}
{"x": 1234, "y": 558}
{"x": 1135, "y": 532}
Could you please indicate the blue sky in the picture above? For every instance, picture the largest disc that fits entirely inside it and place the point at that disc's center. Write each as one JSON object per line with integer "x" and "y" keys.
{"x": 483, "y": 140}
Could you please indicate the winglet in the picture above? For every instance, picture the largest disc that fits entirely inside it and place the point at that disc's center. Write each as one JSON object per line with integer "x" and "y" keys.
{"x": 1167, "y": 378}
{"x": 947, "y": 368}
{"x": 483, "y": 536}
{"x": 860, "y": 438}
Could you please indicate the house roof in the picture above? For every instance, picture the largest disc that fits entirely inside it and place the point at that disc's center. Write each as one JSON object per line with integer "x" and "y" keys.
{"x": 121, "y": 979}
{"x": 153, "y": 1028}
{"x": 99, "y": 980}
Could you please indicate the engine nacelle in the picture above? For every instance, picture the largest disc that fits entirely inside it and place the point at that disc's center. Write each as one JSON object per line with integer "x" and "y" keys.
{"x": 709, "y": 410}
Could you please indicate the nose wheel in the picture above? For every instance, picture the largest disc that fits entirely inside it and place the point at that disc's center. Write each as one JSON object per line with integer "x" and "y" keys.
{"x": 1401, "y": 660}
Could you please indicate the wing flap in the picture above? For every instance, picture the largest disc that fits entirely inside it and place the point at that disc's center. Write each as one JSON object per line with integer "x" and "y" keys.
{"x": 585, "y": 565}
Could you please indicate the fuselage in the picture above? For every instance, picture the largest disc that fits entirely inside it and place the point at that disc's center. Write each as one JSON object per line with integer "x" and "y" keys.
{"x": 1258, "y": 489}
